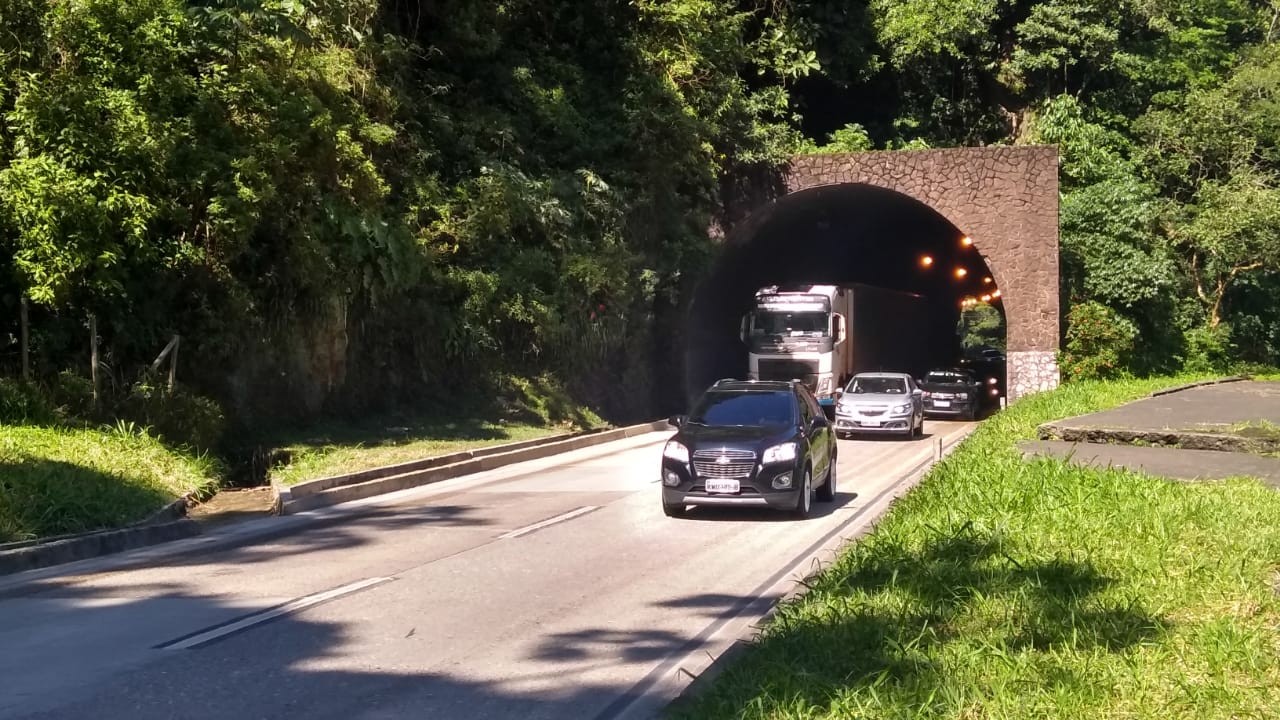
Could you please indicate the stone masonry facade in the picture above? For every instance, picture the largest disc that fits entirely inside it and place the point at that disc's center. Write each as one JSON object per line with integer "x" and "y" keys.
{"x": 1004, "y": 198}
{"x": 1031, "y": 371}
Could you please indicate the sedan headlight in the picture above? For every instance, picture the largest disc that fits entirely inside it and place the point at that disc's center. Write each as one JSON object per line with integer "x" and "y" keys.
{"x": 901, "y": 409}
{"x": 785, "y": 452}
{"x": 676, "y": 451}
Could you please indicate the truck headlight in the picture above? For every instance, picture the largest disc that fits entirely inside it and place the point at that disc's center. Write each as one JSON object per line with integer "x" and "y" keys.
{"x": 676, "y": 451}
{"x": 785, "y": 452}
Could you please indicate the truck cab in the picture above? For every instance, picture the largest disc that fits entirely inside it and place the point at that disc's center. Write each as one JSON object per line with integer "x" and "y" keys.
{"x": 798, "y": 333}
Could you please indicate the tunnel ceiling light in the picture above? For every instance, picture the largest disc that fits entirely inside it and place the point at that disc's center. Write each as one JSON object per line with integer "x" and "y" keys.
{"x": 926, "y": 261}
{"x": 966, "y": 241}
{"x": 995, "y": 294}
{"x": 961, "y": 272}
{"x": 986, "y": 298}
{"x": 986, "y": 280}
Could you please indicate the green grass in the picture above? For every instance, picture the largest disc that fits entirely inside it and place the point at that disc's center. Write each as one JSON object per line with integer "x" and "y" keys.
{"x": 56, "y": 480}
{"x": 1007, "y": 588}
{"x": 338, "y": 449}
{"x": 1256, "y": 429}
{"x": 524, "y": 408}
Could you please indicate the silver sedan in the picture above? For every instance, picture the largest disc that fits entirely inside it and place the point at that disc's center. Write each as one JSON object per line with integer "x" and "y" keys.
{"x": 888, "y": 403}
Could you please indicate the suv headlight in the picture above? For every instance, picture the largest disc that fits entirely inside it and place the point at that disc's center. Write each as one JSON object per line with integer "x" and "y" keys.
{"x": 676, "y": 451}
{"x": 785, "y": 452}
{"x": 902, "y": 409}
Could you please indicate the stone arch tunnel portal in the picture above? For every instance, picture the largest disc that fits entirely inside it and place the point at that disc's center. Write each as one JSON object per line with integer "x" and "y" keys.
{"x": 951, "y": 227}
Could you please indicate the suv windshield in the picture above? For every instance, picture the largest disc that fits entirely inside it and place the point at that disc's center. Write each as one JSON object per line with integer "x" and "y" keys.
{"x": 744, "y": 408}
{"x": 877, "y": 386}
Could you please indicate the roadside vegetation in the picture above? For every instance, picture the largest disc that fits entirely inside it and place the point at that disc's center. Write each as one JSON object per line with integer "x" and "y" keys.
{"x": 61, "y": 472}
{"x": 1006, "y": 587}
{"x": 528, "y": 408}
{"x": 350, "y": 205}
{"x": 67, "y": 467}
{"x": 59, "y": 480}
{"x": 346, "y": 449}
{"x": 361, "y": 208}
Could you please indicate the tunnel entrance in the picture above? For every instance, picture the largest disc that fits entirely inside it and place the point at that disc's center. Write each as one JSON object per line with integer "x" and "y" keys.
{"x": 846, "y": 235}
{"x": 957, "y": 228}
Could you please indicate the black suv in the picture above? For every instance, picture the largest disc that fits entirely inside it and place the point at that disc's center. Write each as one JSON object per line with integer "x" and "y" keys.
{"x": 750, "y": 443}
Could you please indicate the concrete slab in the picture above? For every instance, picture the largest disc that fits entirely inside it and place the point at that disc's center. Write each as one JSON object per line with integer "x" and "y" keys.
{"x": 1196, "y": 409}
{"x": 1235, "y": 417}
{"x": 1164, "y": 462}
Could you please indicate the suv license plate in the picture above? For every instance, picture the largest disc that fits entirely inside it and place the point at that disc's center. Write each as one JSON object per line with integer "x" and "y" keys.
{"x": 723, "y": 486}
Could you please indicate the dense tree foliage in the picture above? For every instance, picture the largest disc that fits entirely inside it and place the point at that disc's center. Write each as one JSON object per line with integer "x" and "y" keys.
{"x": 1166, "y": 114}
{"x": 341, "y": 199}
{"x": 334, "y": 201}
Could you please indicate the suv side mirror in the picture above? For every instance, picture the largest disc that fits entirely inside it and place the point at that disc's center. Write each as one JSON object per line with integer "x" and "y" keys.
{"x": 677, "y": 420}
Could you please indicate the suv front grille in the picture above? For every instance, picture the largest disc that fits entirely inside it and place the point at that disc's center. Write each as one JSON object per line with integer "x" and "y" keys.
{"x": 724, "y": 464}
{"x": 724, "y": 452}
{"x": 723, "y": 471}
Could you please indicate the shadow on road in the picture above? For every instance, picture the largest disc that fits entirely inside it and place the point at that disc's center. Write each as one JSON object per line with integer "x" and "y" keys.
{"x": 883, "y": 628}
{"x": 753, "y": 514}
{"x": 293, "y": 667}
{"x": 348, "y": 531}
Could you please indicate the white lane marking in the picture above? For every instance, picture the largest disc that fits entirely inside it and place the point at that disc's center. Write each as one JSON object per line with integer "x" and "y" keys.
{"x": 293, "y": 606}
{"x": 549, "y": 521}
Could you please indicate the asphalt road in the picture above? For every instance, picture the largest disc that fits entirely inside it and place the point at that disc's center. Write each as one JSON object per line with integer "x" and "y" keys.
{"x": 550, "y": 589}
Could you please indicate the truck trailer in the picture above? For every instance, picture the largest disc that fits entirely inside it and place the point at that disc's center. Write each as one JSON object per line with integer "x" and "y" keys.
{"x": 825, "y": 334}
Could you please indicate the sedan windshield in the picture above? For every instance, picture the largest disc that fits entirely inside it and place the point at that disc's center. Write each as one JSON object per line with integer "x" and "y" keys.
{"x": 878, "y": 386}
{"x": 739, "y": 409}
{"x": 946, "y": 377}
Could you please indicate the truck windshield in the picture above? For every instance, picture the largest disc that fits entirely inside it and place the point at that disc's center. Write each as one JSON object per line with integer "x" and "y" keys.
{"x": 877, "y": 386}
{"x": 790, "y": 323}
{"x": 744, "y": 408}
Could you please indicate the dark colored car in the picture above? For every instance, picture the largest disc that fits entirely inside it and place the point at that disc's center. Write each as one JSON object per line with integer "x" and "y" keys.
{"x": 750, "y": 443}
{"x": 990, "y": 374}
{"x": 951, "y": 392}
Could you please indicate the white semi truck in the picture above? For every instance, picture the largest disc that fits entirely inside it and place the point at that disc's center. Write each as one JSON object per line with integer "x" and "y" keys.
{"x": 825, "y": 334}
